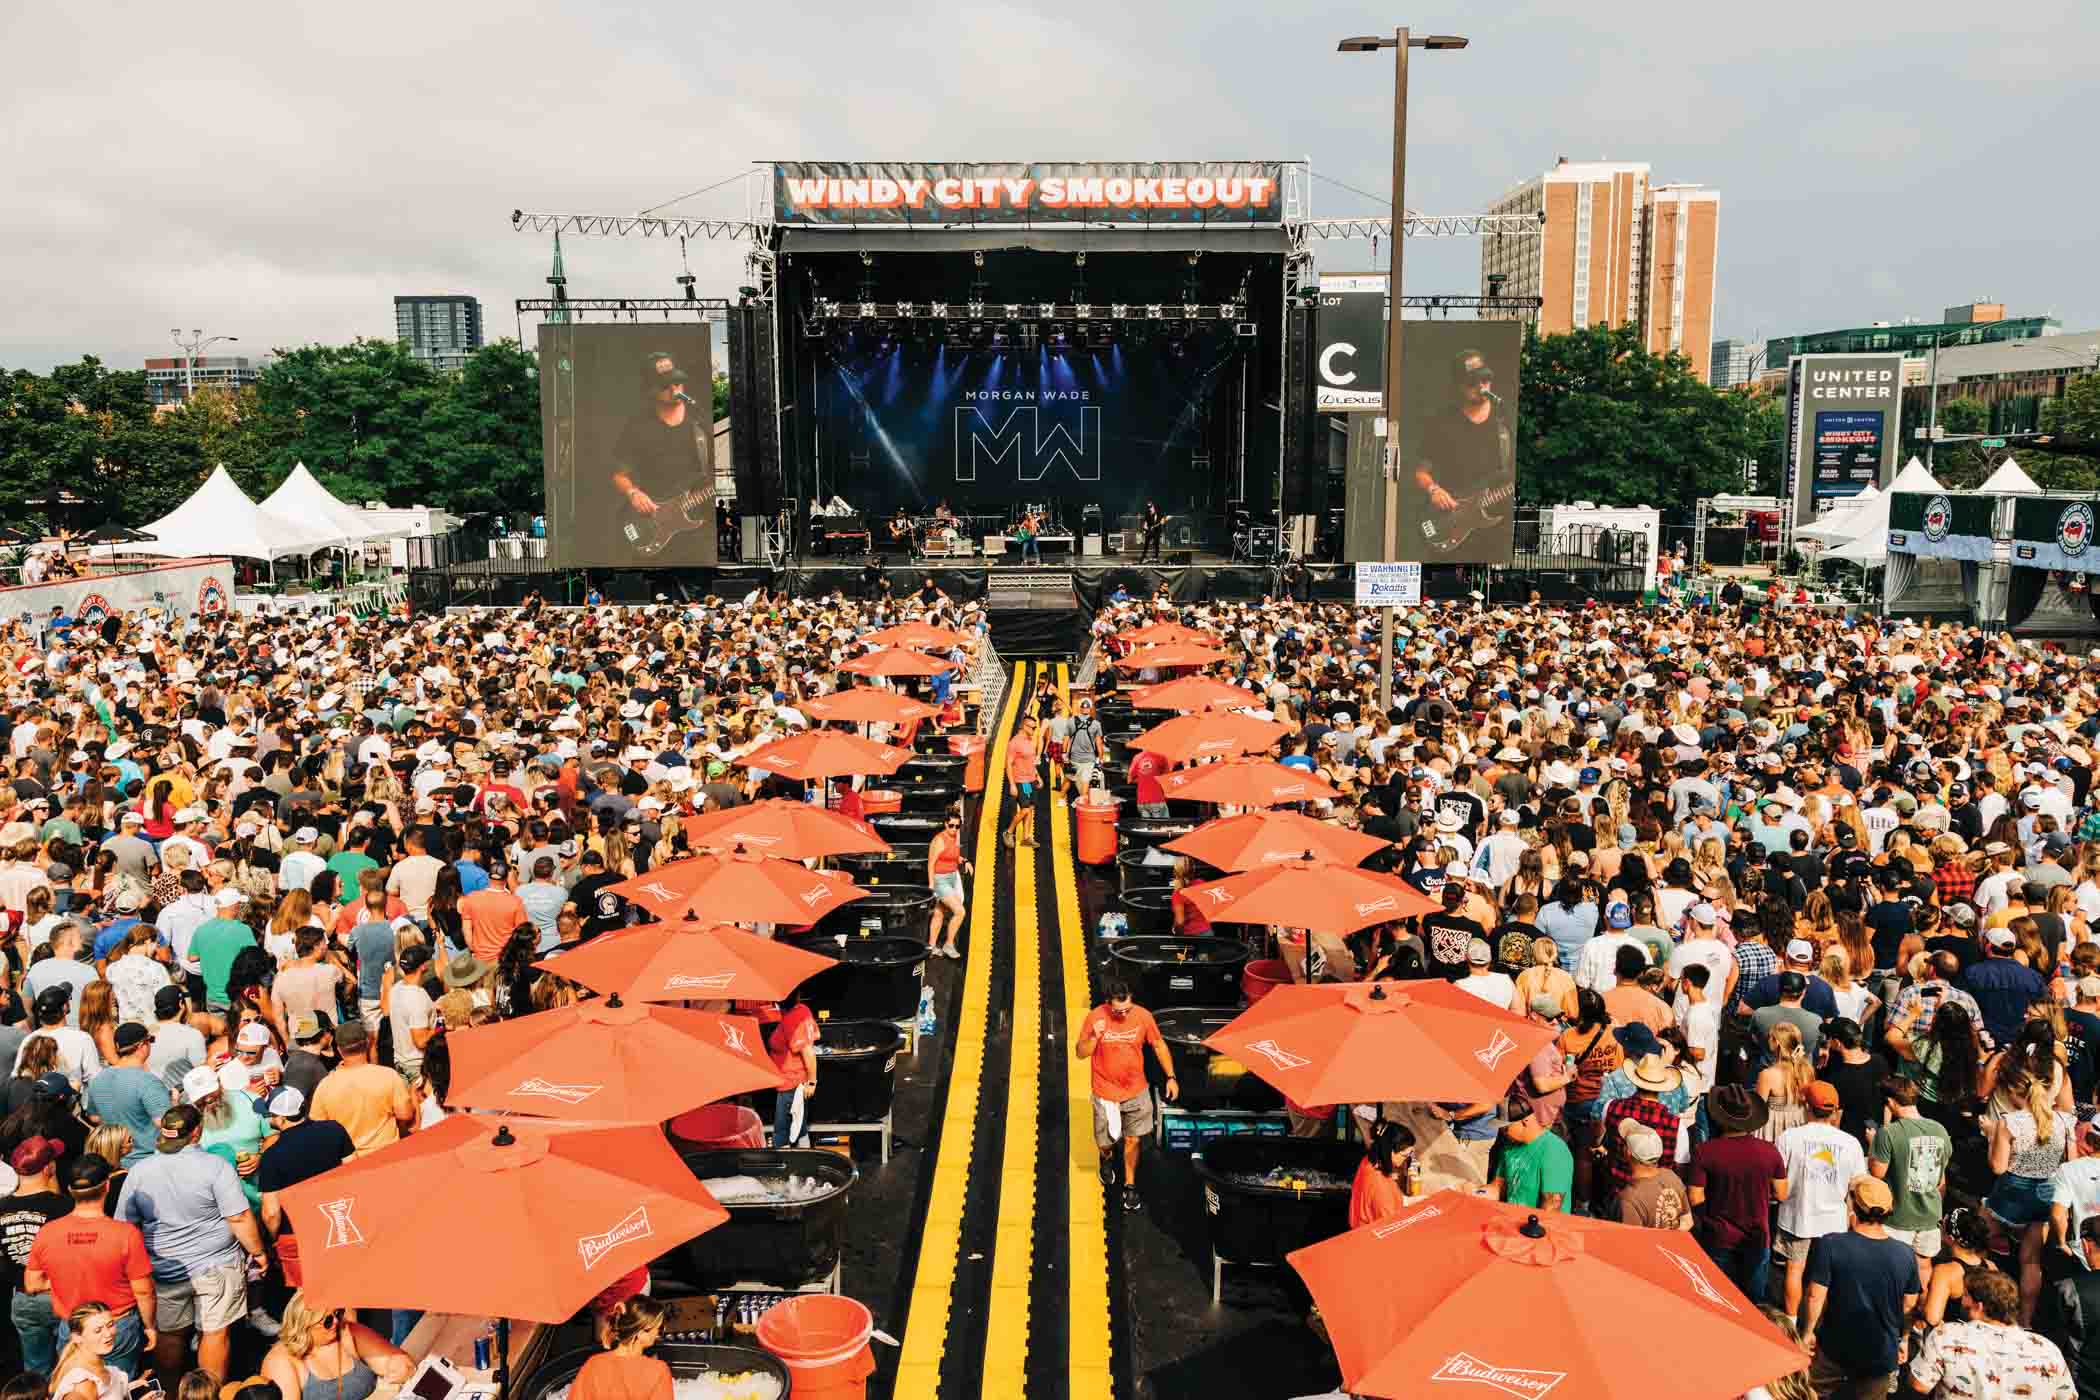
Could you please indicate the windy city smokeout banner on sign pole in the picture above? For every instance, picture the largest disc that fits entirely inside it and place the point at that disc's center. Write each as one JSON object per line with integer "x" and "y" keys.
{"x": 1843, "y": 414}
{"x": 1028, "y": 192}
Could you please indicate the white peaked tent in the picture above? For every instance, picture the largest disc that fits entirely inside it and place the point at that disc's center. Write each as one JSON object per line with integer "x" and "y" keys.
{"x": 303, "y": 498}
{"x": 2010, "y": 480}
{"x": 1838, "y": 524}
{"x": 219, "y": 518}
{"x": 1863, "y": 531}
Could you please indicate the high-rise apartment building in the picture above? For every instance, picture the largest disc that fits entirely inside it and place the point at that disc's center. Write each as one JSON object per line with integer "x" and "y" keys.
{"x": 442, "y": 330}
{"x": 1613, "y": 249}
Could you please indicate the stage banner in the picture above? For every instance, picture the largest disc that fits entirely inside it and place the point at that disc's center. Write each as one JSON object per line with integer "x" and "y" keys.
{"x": 2054, "y": 532}
{"x": 1458, "y": 428}
{"x": 1247, "y": 192}
{"x": 627, "y": 414}
{"x": 1843, "y": 412}
{"x": 1349, "y": 363}
{"x": 1936, "y": 525}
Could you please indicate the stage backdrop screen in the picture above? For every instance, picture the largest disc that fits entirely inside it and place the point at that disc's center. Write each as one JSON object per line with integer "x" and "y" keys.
{"x": 628, "y": 444}
{"x": 1843, "y": 419}
{"x": 1458, "y": 434}
{"x": 912, "y": 425}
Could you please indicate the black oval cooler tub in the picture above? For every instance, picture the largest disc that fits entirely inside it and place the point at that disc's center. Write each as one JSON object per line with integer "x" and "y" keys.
{"x": 878, "y": 977}
{"x": 1210, "y": 1080}
{"x": 899, "y": 908}
{"x": 785, "y": 1245}
{"x": 687, "y": 1360}
{"x": 907, "y": 828}
{"x": 938, "y": 767}
{"x": 1133, "y": 873}
{"x": 1260, "y": 1224}
{"x": 1202, "y": 971}
{"x": 897, "y": 865}
{"x": 856, "y": 1071}
{"x": 934, "y": 796}
{"x": 1149, "y": 910}
{"x": 1135, "y": 830}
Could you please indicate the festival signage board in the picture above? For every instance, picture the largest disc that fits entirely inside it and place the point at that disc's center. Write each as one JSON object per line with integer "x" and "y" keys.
{"x": 900, "y": 193}
{"x": 1941, "y": 525}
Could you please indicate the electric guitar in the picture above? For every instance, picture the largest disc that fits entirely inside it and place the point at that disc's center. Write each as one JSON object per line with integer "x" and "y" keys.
{"x": 1444, "y": 531}
{"x": 651, "y": 535}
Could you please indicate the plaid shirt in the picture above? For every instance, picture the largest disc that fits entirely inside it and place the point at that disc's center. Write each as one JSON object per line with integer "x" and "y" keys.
{"x": 1928, "y": 1007}
{"x": 1955, "y": 882}
{"x": 1643, "y": 1108}
{"x": 1754, "y": 961}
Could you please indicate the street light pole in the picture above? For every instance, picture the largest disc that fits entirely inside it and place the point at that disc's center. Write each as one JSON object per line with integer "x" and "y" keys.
{"x": 1400, "y": 43}
{"x": 196, "y": 345}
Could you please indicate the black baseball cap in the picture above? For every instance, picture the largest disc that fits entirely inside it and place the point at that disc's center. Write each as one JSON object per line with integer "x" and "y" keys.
{"x": 130, "y": 1035}
{"x": 86, "y": 1173}
{"x": 167, "y": 1002}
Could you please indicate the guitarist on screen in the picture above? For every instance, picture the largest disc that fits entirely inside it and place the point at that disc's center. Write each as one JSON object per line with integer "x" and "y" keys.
{"x": 662, "y": 459}
{"x": 1464, "y": 470}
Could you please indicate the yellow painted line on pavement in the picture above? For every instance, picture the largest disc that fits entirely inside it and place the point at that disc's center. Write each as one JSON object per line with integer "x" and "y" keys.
{"x": 1088, "y": 1361}
{"x": 940, "y": 1239}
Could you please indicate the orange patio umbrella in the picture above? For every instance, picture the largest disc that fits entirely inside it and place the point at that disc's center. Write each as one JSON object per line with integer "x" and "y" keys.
{"x": 1370, "y": 1042}
{"x": 918, "y": 636}
{"x": 608, "y": 1061}
{"x": 1222, "y": 734}
{"x": 738, "y": 887}
{"x": 1246, "y": 782}
{"x": 1496, "y": 1299}
{"x": 684, "y": 962}
{"x": 1310, "y": 894}
{"x": 1161, "y": 634}
{"x": 822, "y": 754}
{"x": 1255, "y": 839}
{"x": 897, "y": 661}
{"x": 1173, "y": 654}
{"x": 780, "y": 826}
{"x": 539, "y": 1217}
{"x": 1194, "y": 693}
{"x": 864, "y": 704}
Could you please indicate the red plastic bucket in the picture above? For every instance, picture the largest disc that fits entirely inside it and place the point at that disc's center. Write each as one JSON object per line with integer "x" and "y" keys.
{"x": 721, "y": 1125}
{"x": 823, "y": 1340}
{"x": 881, "y": 802}
{"x": 1263, "y": 976}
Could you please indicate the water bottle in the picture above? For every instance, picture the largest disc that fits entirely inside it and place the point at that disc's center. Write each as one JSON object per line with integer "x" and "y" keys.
{"x": 928, "y": 1021}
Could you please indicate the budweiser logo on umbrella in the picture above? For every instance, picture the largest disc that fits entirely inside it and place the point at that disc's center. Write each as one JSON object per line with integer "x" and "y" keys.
{"x": 537, "y": 1088}
{"x": 1508, "y": 1380}
{"x": 592, "y": 1248}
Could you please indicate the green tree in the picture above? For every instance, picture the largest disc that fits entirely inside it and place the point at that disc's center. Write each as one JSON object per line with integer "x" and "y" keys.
{"x": 483, "y": 434}
{"x": 2075, "y": 415}
{"x": 1604, "y": 420}
{"x": 1959, "y": 466}
{"x": 721, "y": 396}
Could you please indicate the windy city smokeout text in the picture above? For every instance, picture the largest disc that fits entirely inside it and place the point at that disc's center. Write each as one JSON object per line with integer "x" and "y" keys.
{"x": 1023, "y": 192}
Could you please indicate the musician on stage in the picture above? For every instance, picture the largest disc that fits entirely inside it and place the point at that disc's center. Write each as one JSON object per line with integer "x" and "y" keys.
{"x": 902, "y": 527}
{"x": 1155, "y": 530}
{"x": 1463, "y": 471}
{"x": 1026, "y": 532}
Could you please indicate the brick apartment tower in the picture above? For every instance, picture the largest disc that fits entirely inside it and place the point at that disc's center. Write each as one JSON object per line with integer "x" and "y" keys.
{"x": 1614, "y": 249}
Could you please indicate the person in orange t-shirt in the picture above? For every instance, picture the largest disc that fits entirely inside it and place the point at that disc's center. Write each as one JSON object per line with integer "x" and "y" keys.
{"x": 621, "y": 1371}
{"x": 491, "y": 915}
{"x": 1023, "y": 760}
{"x": 1114, "y": 1039}
{"x": 1380, "y": 1189}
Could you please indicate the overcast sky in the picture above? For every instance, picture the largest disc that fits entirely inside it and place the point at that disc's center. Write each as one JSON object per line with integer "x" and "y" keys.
{"x": 279, "y": 172}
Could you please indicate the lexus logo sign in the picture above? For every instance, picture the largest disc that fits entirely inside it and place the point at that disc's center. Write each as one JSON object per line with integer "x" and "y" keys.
{"x": 1349, "y": 360}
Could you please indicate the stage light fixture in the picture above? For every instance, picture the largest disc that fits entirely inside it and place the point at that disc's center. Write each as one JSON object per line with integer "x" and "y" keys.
{"x": 1013, "y": 311}
{"x": 978, "y": 257}
{"x": 904, "y": 310}
{"x": 1155, "y": 311}
{"x": 1083, "y": 310}
{"x": 1119, "y": 311}
{"x": 976, "y": 310}
{"x": 867, "y": 310}
{"x": 867, "y": 259}
{"x": 940, "y": 310}
{"x": 1079, "y": 258}
{"x": 1189, "y": 310}
{"x": 1048, "y": 309}
{"x": 1243, "y": 328}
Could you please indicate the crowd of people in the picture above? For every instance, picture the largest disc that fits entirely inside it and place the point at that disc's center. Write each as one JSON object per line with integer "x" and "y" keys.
{"x": 1808, "y": 902}
{"x": 256, "y": 869}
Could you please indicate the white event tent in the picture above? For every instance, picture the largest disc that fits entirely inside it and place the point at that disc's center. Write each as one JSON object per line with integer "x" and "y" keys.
{"x": 219, "y": 518}
{"x": 302, "y": 497}
{"x": 1866, "y": 540}
{"x": 2010, "y": 480}
{"x": 1837, "y": 524}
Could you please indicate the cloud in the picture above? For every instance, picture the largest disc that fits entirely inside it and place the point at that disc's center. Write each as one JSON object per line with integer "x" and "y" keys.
{"x": 279, "y": 172}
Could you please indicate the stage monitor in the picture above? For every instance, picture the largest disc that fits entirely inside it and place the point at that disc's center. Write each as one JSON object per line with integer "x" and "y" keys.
{"x": 1458, "y": 439}
{"x": 628, "y": 442}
